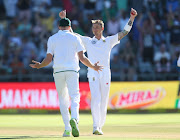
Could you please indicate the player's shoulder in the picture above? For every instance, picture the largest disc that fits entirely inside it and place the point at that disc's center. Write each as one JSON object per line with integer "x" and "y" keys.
{"x": 53, "y": 36}
{"x": 110, "y": 36}
{"x": 107, "y": 38}
{"x": 82, "y": 37}
{"x": 85, "y": 37}
{"x": 73, "y": 36}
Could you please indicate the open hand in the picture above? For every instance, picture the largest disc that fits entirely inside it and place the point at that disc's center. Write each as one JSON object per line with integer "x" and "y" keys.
{"x": 35, "y": 65}
{"x": 97, "y": 67}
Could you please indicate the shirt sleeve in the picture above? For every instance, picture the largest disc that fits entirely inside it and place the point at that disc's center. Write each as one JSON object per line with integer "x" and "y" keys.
{"x": 80, "y": 46}
{"x": 178, "y": 62}
{"x": 50, "y": 48}
{"x": 113, "y": 40}
{"x": 84, "y": 40}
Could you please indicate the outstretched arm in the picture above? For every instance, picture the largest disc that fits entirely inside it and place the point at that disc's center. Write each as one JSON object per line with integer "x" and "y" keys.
{"x": 88, "y": 63}
{"x": 44, "y": 63}
{"x": 128, "y": 26}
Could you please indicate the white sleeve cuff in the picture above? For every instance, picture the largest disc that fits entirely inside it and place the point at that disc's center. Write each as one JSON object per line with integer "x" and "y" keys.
{"x": 127, "y": 27}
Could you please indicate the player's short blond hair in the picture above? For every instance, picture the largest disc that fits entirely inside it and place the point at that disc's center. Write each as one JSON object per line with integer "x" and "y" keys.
{"x": 100, "y": 22}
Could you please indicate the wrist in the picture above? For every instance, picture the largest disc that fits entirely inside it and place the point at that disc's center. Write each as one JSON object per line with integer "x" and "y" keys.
{"x": 93, "y": 67}
{"x": 132, "y": 18}
{"x": 40, "y": 65}
{"x": 128, "y": 25}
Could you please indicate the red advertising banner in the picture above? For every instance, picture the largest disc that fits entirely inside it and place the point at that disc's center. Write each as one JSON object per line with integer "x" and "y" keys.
{"x": 36, "y": 96}
{"x": 123, "y": 95}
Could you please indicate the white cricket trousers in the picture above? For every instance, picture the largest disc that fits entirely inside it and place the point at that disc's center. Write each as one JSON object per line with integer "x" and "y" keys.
{"x": 68, "y": 82}
{"x": 99, "y": 86}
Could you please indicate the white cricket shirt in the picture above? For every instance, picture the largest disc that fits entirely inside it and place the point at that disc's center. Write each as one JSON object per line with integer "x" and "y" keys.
{"x": 99, "y": 50}
{"x": 178, "y": 62}
{"x": 64, "y": 46}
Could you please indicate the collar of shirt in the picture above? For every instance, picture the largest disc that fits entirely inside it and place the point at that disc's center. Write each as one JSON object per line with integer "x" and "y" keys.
{"x": 63, "y": 31}
{"x": 102, "y": 38}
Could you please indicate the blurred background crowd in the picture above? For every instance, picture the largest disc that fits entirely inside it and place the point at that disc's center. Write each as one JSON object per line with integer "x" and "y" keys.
{"x": 149, "y": 52}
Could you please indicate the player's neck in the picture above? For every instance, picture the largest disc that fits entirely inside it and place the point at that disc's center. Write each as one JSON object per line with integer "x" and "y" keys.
{"x": 98, "y": 36}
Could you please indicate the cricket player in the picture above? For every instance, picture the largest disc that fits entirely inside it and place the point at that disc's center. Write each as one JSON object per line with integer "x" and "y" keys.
{"x": 98, "y": 49}
{"x": 178, "y": 61}
{"x": 67, "y": 49}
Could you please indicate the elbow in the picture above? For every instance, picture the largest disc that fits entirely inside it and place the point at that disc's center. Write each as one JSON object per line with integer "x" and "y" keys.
{"x": 126, "y": 33}
{"x": 48, "y": 61}
{"x": 82, "y": 59}
{"x": 48, "y": 58}
{"x": 81, "y": 56}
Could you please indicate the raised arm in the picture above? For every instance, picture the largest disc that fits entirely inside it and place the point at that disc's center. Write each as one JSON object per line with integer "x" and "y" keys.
{"x": 62, "y": 14}
{"x": 128, "y": 26}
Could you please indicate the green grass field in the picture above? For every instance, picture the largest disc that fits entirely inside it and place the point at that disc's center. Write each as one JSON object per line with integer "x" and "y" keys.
{"x": 117, "y": 126}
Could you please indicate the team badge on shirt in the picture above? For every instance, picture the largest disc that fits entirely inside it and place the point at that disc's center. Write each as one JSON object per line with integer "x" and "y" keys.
{"x": 104, "y": 40}
{"x": 93, "y": 42}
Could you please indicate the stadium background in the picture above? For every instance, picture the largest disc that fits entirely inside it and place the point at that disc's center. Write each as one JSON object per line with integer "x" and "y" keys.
{"x": 148, "y": 53}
